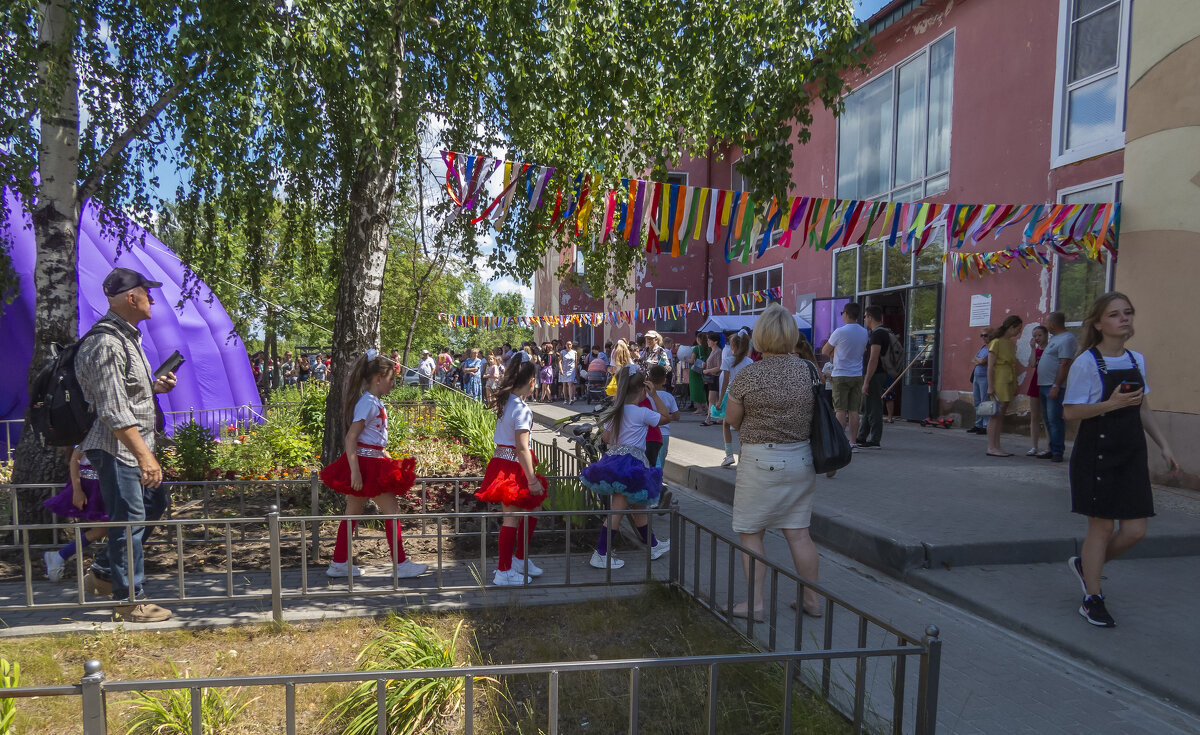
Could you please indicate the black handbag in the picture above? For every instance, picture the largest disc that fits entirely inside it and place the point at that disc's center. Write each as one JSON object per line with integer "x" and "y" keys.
{"x": 830, "y": 447}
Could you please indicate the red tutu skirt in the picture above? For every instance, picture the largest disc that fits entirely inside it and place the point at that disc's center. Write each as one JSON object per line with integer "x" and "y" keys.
{"x": 504, "y": 482}
{"x": 379, "y": 475}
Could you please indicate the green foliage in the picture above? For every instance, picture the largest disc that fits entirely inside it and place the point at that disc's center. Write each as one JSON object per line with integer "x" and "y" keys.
{"x": 312, "y": 409}
{"x": 170, "y": 712}
{"x": 481, "y": 300}
{"x": 468, "y": 420}
{"x": 413, "y": 705}
{"x": 195, "y": 452}
{"x": 10, "y": 678}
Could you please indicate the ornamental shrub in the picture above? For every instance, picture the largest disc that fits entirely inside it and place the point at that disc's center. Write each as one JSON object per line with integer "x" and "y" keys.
{"x": 195, "y": 450}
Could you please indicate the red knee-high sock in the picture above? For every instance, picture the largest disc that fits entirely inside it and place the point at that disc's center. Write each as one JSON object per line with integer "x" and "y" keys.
{"x": 508, "y": 539}
{"x": 391, "y": 528}
{"x": 527, "y": 527}
{"x": 341, "y": 547}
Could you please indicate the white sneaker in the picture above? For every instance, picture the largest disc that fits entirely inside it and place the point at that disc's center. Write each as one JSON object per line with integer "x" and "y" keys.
{"x": 508, "y": 578}
{"x": 526, "y": 566}
{"x": 342, "y": 569}
{"x": 409, "y": 568}
{"x": 728, "y": 461}
{"x": 55, "y": 565}
{"x": 601, "y": 561}
{"x": 662, "y": 547}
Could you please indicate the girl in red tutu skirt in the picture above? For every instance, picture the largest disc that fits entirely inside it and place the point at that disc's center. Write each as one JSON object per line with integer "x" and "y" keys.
{"x": 510, "y": 478}
{"x": 366, "y": 470}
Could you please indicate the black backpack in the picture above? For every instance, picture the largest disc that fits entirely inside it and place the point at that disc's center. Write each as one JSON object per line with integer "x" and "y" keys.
{"x": 892, "y": 361}
{"x": 58, "y": 413}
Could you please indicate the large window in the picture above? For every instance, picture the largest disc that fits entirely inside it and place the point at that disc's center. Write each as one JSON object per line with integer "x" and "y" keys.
{"x": 894, "y": 135}
{"x": 756, "y": 281}
{"x": 670, "y": 297}
{"x": 876, "y": 267}
{"x": 1093, "y": 48}
{"x": 1079, "y": 282}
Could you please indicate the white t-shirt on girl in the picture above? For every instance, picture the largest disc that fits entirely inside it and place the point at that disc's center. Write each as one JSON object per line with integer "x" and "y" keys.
{"x": 634, "y": 422}
{"x": 672, "y": 406}
{"x": 1083, "y": 382}
{"x": 517, "y": 417}
{"x": 735, "y": 368}
{"x": 371, "y": 410}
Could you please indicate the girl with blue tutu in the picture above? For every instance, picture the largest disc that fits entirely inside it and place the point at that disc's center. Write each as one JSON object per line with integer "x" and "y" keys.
{"x": 511, "y": 478}
{"x": 79, "y": 499}
{"x": 623, "y": 472}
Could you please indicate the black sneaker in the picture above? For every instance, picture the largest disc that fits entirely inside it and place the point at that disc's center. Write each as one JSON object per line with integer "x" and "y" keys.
{"x": 1056, "y": 458}
{"x": 1076, "y": 565}
{"x": 1094, "y": 612}
{"x": 869, "y": 445}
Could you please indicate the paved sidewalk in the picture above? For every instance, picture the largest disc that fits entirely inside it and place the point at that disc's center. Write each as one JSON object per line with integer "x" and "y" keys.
{"x": 992, "y": 536}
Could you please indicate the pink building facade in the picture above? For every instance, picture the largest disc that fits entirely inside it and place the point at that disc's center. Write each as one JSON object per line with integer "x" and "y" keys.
{"x": 989, "y": 101}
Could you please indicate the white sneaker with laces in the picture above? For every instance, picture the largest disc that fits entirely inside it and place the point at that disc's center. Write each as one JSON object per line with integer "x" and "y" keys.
{"x": 526, "y": 565}
{"x": 508, "y": 578}
{"x": 662, "y": 547}
{"x": 728, "y": 461}
{"x": 601, "y": 561}
{"x": 409, "y": 568}
{"x": 55, "y": 566}
{"x": 342, "y": 569}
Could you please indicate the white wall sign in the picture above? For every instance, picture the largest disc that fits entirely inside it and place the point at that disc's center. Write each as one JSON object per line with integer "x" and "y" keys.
{"x": 981, "y": 310}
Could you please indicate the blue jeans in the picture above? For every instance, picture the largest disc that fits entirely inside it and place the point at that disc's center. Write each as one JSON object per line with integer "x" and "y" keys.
{"x": 125, "y": 499}
{"x": 979, "y": 387}
{"x": 662, "y": 453}
{"x": 1052, "y": 416}
{"x": 475, "y": 389}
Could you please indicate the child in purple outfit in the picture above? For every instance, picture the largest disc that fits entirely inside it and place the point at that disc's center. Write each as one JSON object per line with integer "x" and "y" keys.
{"x": 80, "y": 498}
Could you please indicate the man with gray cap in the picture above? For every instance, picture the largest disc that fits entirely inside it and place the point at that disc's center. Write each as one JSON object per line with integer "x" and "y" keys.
{"x": 118, "y": 382}
{"x": 425, "y": 370}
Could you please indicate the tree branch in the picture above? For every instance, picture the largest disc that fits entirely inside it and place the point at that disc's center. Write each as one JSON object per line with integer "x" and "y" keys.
{"x": 92, "y": 182}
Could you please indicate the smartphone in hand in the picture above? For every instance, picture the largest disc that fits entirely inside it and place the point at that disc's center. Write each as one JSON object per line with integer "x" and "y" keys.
{"x": 170, "y": 365}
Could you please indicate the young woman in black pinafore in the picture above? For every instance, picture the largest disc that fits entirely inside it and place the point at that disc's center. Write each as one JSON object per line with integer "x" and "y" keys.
{"x": 1110, "y": 474}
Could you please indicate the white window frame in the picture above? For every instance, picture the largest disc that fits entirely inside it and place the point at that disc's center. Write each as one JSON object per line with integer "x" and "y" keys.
{"x": 887, "y": 252}
{"x": 1059, "y": 155}
{"x": 754, "y": 309}
{"x": 925, "y": 180}
{"x": 737, "y": 181}
{"x": 1109, "y": 266}
{"x": 657, "y": 304}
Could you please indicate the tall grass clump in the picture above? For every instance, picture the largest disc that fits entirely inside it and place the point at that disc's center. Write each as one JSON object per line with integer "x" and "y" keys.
{"x": 413, "y": 705}
{"x": 170, "y": 712}
{"x": 468, "y": 420}
{"x": 10, "y": 678}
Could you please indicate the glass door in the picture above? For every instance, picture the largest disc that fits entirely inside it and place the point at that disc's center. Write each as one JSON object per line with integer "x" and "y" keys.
{"x": 922, "y": 340}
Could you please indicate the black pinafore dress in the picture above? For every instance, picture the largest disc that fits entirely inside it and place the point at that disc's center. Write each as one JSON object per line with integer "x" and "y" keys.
{"x": 1110, "y": 468}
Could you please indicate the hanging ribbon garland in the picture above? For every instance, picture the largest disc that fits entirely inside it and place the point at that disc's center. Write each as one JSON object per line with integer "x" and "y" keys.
{"x": 629, "y": 316}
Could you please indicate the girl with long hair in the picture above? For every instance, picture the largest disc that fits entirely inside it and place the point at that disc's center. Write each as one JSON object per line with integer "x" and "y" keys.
{"x": 1002, "y": 378}
{"x": 510, "y": 478}
{"x": 366, "y": 471}
{"x": 624, "y": 472}
{"x": 1110, "y": 474}
{"x": 738, "y": 359}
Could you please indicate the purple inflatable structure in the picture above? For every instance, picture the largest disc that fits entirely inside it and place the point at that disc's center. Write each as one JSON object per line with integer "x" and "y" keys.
{"x": 217, "y": 373}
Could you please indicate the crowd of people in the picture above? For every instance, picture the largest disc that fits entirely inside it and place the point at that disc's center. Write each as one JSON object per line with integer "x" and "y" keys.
{"x": 761, "y": 385}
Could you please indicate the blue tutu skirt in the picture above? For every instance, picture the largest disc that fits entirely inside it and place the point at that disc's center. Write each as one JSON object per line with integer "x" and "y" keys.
{"x": 93, "y": 510}
{"x": 625, "y": 474}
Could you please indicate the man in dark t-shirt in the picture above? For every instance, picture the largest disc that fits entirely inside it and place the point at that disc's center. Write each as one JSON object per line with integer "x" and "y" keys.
{"x": 875, "y": 380}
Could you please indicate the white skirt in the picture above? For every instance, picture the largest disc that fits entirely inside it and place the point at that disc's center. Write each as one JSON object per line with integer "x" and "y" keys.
{"x": 774, "y": 488}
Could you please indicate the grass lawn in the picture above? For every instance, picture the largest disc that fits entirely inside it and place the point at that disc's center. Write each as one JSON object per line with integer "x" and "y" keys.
{"x": 659, "y": 623}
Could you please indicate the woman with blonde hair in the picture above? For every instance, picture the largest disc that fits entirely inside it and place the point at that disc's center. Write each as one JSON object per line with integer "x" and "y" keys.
{"x": 1110, "y": 474}
{"x": 770, "y": 403}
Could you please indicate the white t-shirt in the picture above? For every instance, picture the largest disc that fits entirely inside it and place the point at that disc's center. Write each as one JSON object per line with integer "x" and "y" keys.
{"x": 734, "y": 369}
{"x": 634, "y": 422}
{"x": 726, "y": 357}
{"x": 672, "y": 406}
{"x": 517, "y": 417}
{"x": 426, "y": 368}
{"x": 849, "y": 342}
{"x": 1083, "y": 382}
{"x": 372, "y": 411}
{"x": 568, "y": 363}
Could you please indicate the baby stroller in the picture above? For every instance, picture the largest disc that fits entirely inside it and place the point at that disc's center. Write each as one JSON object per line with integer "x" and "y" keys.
{"x": 597, "y": 381}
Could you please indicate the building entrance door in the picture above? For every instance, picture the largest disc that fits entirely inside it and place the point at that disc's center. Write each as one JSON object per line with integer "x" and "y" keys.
{"x": 914, "y": 315}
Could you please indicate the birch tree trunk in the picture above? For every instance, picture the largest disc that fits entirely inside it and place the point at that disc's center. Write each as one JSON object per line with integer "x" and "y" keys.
{"x": 55, "y": 226}
{"x": 364, "y": 259}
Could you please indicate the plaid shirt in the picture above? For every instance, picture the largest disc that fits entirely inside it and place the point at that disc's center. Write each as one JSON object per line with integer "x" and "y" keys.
{"x": 115, "y": 375}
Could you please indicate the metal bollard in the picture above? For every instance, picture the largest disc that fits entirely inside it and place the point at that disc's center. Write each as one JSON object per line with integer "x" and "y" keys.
{"x": 276, "y": 571}
{"x": 927, "y": 684}
{"x": 95, "y": 712}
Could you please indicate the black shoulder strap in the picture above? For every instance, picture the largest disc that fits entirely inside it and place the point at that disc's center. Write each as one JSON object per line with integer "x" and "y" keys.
{"x": 1099, "y": 363}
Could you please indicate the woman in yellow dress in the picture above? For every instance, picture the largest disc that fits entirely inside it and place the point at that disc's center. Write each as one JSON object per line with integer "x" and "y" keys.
{"x": 1002, "y": 378}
